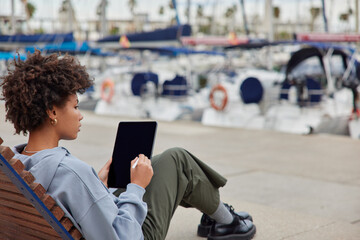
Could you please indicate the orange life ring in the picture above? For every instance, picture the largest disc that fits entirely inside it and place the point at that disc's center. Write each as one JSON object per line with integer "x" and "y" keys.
{"x": 107, "y": 90}
{"x": 218, "y": 107}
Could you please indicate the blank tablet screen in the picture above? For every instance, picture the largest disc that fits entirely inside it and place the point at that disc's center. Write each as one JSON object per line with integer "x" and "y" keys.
{"x": 132, "y": 138}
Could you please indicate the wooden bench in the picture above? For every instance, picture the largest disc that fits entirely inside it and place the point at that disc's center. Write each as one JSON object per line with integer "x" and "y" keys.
{"x": 26, "y": 211}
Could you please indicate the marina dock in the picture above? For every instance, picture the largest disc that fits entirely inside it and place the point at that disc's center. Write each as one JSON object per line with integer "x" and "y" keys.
{"x": 296, "y": 187}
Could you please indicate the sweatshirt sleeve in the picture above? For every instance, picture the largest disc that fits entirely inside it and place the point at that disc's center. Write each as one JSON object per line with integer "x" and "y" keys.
{"x": 122, "y": 220}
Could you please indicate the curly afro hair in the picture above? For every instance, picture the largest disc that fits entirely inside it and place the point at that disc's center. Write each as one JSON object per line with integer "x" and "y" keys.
{"x": 35, "y": 85}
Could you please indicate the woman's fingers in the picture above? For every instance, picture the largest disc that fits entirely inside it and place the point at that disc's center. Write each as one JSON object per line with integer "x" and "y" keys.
{"x": 104, "y": 172}
{"x": 143, "y": 158}
{"x": 141, "y": 172}
{"x": 108, "y": 163}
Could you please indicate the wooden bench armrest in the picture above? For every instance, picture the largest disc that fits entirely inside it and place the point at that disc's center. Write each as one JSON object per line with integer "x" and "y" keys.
{"x": 25, "y": 206}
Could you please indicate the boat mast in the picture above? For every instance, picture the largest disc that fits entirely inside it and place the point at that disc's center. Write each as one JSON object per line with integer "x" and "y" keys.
{"x": 188, "y": 11}
{"x": 103, "y": 18}
{"x": 242, "y": 4}
{"x": 269, "y": 20}
{"x": 324, "y": 16}
{"x": 176, "y": 12}
{"x": 270, "y": 29}
{"x": 13, "y": 17}
{"x": 357, "y": 16}
{"x": 212, "y": 28}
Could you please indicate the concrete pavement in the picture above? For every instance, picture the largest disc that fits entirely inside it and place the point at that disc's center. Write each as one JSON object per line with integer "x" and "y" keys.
{"x": 296, "y": 187}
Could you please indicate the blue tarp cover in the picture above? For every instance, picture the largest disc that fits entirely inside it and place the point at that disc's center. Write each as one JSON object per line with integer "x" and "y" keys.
{"x": 170, "y": 33}
{"x": 70, "y": 47}
{"x": 10, "y": 56}
{"x": 37, "y": 38}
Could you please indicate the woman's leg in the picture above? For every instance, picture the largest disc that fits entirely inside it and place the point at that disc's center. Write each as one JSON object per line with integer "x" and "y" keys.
{"x": 179, "y": 179}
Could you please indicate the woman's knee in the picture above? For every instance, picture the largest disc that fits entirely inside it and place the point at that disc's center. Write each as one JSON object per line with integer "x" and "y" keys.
{"x": 175, "y": 151}
{"x": 177, "y": 154}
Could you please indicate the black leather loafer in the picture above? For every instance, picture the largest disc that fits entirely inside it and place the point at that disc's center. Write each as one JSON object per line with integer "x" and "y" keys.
{"x": 237, "y": 230}
{"x": 206, "y": 221}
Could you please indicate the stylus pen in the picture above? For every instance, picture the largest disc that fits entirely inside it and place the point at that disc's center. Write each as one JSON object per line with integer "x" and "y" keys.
{"x": 137, "y": 160}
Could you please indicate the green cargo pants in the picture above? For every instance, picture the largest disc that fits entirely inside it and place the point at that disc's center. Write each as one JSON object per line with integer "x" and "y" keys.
{"x": 179, "y": 179}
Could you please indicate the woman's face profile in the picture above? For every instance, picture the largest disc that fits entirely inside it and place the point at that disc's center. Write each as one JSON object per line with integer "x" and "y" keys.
{"x": 68, "y": 119}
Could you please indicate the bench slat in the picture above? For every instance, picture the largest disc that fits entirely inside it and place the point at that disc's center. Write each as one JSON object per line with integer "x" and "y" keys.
{"x": 17, "y": 165}
{"x": 42, "y": 230}
{"x": 67, "y": 223}
{"x": 34, "y": 215}
{"x": 9, "y": 187}
{"x": 39, "y": 190}
{"x": 26, "y": 208}
{"x": 36, "y": 187}
{"x": 48, "y": 201}
{"x": 35, "y": 218}
{"x": 58, "y": 212}
{"x": 27, "y": 176}
{"x": 4, "y": 178}
{"x": 6, "y": 152}
{"x": 11, "y": 231}
{"x": 16, "y": 197}
{"x": 13, "y": 234}
{"x": 75, "y": 233}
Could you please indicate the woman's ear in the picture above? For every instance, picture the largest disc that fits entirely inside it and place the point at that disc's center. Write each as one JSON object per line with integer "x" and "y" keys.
{"x": 51, "y": 113}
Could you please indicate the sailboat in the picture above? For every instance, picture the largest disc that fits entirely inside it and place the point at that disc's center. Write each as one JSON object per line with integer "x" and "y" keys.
{"x": 316, "y": 94}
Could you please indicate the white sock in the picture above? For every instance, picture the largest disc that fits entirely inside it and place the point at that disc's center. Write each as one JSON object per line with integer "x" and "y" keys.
{"x": 222, "y": 214}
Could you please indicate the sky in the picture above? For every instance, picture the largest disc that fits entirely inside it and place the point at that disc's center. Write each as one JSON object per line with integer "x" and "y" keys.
{"x": 291, "y": 10}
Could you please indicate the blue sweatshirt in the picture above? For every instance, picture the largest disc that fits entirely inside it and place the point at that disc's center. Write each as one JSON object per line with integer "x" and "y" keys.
{"x": 77, "y": 189}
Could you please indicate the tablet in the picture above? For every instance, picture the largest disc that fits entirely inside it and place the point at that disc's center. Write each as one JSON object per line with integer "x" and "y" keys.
{"x": 132, "y": 139}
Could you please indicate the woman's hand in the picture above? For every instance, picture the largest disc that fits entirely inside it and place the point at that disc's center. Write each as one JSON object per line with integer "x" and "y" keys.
{"x": 104, "y": 172}
{"x": 143, "y": 171}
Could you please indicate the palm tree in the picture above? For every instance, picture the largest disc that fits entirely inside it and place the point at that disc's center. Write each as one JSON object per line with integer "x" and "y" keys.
{"x": 132, "y": 5}
{"x": 161, "y": 10}
{"x": 315, "y": 12}
{"x": 187, "y": 14}
{"x": 68, "y": 16}
{"x": 230, "y": 15}
{"x": 30, "y": 10}
{"x": 171, "y": 5}
{"x": 200, "y": 11}
{"x": 199, "y": 16}
{"x": 345, "y": 17}
{"x": 276, "y": 12}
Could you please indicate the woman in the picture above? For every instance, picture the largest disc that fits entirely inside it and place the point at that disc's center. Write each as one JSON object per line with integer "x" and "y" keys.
{"x": 41, "y": 100}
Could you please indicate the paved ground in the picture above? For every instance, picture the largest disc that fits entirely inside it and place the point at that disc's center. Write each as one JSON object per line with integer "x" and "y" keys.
{"x": 296, "y": 187}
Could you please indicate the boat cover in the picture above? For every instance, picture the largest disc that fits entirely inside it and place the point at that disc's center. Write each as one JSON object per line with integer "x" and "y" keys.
{"x": 37, "y": 38}
{"x": 71, "y": 48}
{"x": 176, "y": 87}
{"x": 170, "y": 33}
{"x": 138, "y": 83}
{"x": 251, "y": 90}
